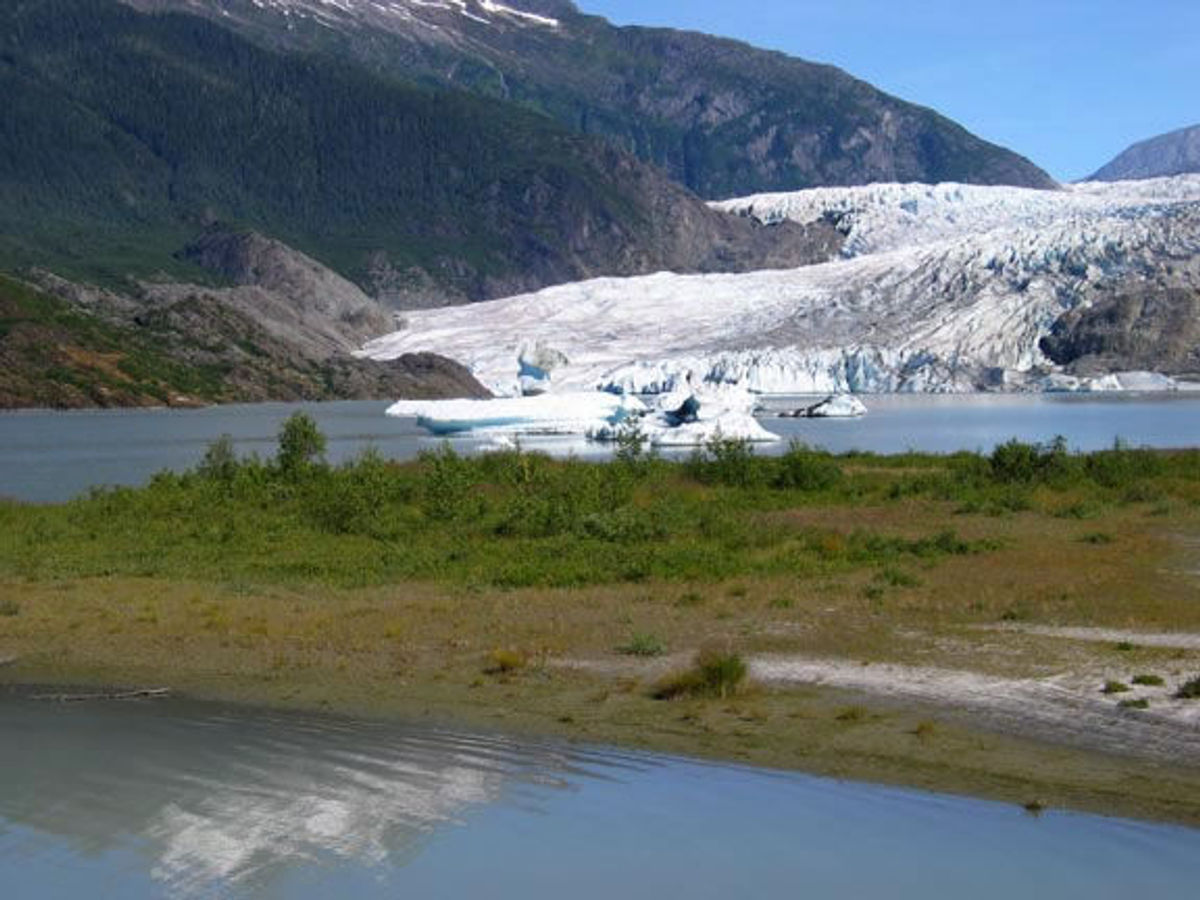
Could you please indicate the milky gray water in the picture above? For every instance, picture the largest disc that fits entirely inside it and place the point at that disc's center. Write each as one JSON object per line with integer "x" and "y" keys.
{"x": 48, "y": 456}
{"x": 177, "y": 799}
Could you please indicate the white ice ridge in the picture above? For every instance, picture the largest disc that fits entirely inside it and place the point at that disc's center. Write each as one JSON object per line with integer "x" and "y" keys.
{"x": 943, "y": 314}
{"x": 881, "y": 217}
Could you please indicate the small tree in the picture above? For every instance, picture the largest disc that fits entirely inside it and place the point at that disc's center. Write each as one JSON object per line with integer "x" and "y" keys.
{"x": 220, "y": 461}
{"x": 301, "y": 444}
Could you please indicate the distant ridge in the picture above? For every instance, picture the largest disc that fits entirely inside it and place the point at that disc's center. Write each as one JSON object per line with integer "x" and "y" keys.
{"x": 1174, "y": 153}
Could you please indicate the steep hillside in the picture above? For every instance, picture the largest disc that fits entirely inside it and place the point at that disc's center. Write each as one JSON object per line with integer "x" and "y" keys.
{"x": 721, "y": 117}
{"x": 123, "y": 135}
{"x": 1176, "y": 153}
{"x": 67, "y": 346}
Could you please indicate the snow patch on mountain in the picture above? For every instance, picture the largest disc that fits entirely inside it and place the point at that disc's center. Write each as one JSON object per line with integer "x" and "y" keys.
{"x": 327, "y": 11}
{"x": 946, "y": 288}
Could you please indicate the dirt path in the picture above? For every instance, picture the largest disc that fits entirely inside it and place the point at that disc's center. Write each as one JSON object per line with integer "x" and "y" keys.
{"x": 1181, "y": 640}
{"x": 1064, "y": 709}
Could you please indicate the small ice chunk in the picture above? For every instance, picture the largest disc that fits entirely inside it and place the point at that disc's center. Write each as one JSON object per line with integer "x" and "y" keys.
{"x": 835, "y": 406}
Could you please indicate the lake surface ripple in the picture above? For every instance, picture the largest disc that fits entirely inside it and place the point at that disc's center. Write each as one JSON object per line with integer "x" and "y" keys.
{"x": 182, "y": 799}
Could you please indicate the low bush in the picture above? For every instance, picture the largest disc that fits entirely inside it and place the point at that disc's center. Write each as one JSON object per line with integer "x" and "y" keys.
{"x": 1018, "y": 462}
{"x": 505, "y": 662}
{"x": 714, "y": 673}
{"x": 1114, "y": 687}
{"x": 642, "y": 644}
{"x": 1148, "y": 680}
{"x": 1189, "y": 690}
{"x": 803, "y": 468}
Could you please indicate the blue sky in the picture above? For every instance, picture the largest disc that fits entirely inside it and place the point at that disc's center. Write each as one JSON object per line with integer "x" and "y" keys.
{"x": 1067, "y": 83}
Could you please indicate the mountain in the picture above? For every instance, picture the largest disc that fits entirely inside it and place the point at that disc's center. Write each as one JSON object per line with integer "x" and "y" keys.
{"x": 1176, "y": 153}
{"x": 65, "y": 345}
{"x": 721, "y": 117}
{"x": 940, "y": 288}
{"x": 124, "y": 135}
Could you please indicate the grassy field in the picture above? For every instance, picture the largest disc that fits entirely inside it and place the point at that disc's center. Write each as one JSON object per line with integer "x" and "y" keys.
{"x": 569, "y": 597}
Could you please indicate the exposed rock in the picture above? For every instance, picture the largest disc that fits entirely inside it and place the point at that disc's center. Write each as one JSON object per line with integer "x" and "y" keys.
{"x": 1176, "y": 153}
{"x": 178, "y": 346}
{"x": 292, "y": 295}
{"x": 1154, "y": 328}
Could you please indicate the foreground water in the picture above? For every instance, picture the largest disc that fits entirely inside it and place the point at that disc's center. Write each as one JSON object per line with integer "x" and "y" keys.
{"x": 48, "y": 456}
{"x": 175, "y": 799}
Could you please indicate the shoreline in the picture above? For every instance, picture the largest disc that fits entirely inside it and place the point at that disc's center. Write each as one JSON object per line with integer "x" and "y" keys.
{"x": 901, "y": 738}
{"x": 1019, "y": 627}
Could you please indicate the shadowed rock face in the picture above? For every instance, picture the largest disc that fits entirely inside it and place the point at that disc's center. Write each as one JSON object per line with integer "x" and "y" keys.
{"x": 1153, "y": 328}
{"x": 292, "y": 295}
{"x": 1175, "y": 153}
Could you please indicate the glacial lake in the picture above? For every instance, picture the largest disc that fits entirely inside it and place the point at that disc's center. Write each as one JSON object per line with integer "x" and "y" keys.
{"x": 49, "y": 456}
{"x": 170, "y": 798}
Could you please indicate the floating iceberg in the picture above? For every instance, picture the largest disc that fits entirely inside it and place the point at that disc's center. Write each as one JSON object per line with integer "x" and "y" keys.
{"x": 835, "y": 406}
{"x": 569, "y": 413}
{"x": 690, "y": 418}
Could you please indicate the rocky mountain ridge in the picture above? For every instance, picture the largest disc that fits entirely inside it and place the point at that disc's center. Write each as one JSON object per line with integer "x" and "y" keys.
{"x": 721, "y": 117}
{"x": 1175, "y": 153}
{"x": 127, "y": 134}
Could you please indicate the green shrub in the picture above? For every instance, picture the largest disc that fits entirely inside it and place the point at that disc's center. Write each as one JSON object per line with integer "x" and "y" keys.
{"x": 1139, "y": 703}
{"x": 642, "y": 644}
{"x": 10, "y": 608}
{"x": 1018, "y": 462}
{"x": 301, "y": 444}
{"x": 1150, "y": 680}
{"x": 726, "y": 461}
{"x": 1189, "y": 690}
{"x": 220, "y": 461}
{"x": 505, "y": 662}
{"x": 1114, "y": 687}
{"x": 1123, "y": 467}
{"x": 714, "y": 673}
{"x": 806, "y": 469}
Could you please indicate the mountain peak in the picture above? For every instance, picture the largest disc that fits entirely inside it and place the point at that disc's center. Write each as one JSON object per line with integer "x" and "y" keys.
{"x": 1174, "y": 153}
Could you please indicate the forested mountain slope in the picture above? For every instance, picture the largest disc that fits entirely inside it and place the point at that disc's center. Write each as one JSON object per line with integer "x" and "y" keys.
{"x": 720, "y": 116}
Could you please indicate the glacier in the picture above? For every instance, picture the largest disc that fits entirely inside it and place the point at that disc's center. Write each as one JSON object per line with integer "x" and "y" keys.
{"x": 939, "y": 288}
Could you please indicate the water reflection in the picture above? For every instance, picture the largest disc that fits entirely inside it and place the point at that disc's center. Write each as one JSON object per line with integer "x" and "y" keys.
{"x": 225, "y": 799}
{"x": 133, "y": 800}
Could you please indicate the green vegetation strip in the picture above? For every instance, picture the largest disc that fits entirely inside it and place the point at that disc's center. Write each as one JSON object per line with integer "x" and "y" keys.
{"x": 621, "y": 602}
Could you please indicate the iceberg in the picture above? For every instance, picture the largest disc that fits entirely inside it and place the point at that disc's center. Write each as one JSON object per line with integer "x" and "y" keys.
{"x": 835, "y": 406}
{"x": 691, "y": 418}
{"x": 566, "y": 413}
